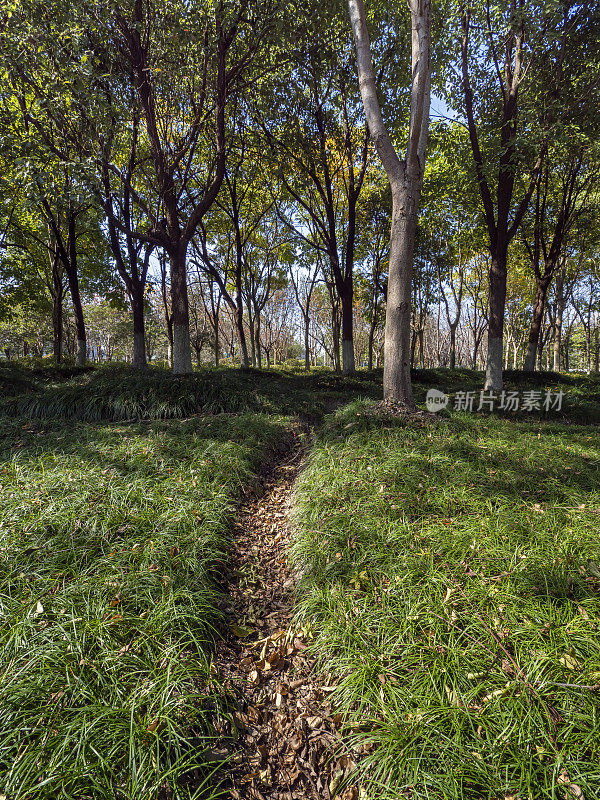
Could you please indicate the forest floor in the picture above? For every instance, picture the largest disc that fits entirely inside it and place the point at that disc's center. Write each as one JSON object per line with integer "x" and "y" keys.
{"x": 285, "y": 743}
{"x": 205, "y": 597}
{"x": 451, "y": 573}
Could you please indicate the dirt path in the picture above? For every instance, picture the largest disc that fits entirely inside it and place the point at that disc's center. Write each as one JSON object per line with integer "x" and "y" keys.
{"x": 284, "y": 724}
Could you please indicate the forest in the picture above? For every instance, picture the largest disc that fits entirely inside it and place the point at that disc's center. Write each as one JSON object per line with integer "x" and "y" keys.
{"x": 174, "y": 174}
{"x": 299, "y": 399}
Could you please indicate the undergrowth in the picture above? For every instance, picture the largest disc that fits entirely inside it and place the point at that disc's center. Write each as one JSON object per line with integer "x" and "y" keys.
{"x": 452, "y": 575}
{"x": 111, "y": 541}
{"x": 120, "y": 393}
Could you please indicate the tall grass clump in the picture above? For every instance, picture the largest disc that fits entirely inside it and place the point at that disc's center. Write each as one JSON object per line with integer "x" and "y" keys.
{"x": 111, "y": 541}
{"x": 451, "y": 571}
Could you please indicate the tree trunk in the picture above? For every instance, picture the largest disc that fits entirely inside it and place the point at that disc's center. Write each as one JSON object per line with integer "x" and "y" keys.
{"x": 372, "y": 327}
{"x": 475, "y": 351}
{"x": 493, "y": 369}
{"x": 239, "y": 325}
{"x": 539, "y": 307}
{"x": 57, "y": 326}
{"x": 73, "y": 278}
{"x": 139, "y": 329}
{"x": 348, "y": 365}
{"x": 453, "y": 346}
{"x": 182, "y": 350}
{"x": 169, "y": 323}
{"x": 252, "y": 338}
{"x": 335, "y": 334}
{"x": 556, "y": 347}
{"x": 405, "y": 178}
{"x": 79, "y": 320}
{"x": 216, "y": 344}
{"x": 257, "y": 338}
{"x": 558, "y": 320}
{"x": 396, "y": 354}
{"x": 306, "y": 342}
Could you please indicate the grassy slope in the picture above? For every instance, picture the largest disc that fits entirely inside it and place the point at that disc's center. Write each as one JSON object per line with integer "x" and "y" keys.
{"x": 452, "y": 573}
{"x": 118, "y": 392}
{"x": 110, "y": 537}
{"x": 116, "y": 530}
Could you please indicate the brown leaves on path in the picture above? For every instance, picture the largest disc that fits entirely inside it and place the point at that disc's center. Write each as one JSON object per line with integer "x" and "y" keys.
{"x": 284, "y": 743}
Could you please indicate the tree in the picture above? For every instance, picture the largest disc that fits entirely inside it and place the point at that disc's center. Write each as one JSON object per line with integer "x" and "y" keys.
{"x": 321, "y": 141}
{"x": 146, "y": 38}
{"x": 406, "y": 179}
{"x": 303, "y": 278}
{"x": 562, "y": 193}
{"x": 517, "y": 60}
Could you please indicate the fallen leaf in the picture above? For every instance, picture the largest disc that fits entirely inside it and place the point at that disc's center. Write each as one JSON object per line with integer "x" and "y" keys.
{"x": 241, "y": 631}
{"x": 569, "y": 661}
{"x": 573, "y": 791}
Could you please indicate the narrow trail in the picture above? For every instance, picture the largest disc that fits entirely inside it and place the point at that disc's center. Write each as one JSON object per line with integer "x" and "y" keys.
{"x": 285, "y": 731}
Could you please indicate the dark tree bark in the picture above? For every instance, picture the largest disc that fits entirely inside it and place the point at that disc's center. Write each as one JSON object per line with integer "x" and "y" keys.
{"x": 501, "y": 228}
{"x": 73, "y": 278}
{"x": 57, "y": 312}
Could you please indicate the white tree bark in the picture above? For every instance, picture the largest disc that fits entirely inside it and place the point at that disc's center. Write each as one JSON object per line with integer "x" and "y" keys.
{"x": 406, "y": 180}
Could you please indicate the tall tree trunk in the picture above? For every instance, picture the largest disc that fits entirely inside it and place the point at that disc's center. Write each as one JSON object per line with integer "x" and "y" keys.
{"x": 493, "y": 367}
{"x": 348, "y": 365}
{"x": 78, "y": 312}
{"x": 57, "y": 309}
{"x": 239, "y": 326}
{"x": 257, "y": 339}
{"x": 372, "y": 327}
{"x": 453, "y": 345}
{"x": 397, "y": 348}
{"x": 539, "y": 307}
{"x": 216, "y": 344}
{"x": 405, "y": 178}
{"x": 139, "y": 328}
{"x": 306, "y": 342}
{"x": 251, "y": 337}
{"x": 335, "y": 335}
{"x": 558, "y": 318}
{"x": 57, "y": 326}
{"x": 182, "y": 350}
{"x": 73, "y": 278}
{"x": 475, "y": 351}
{"x": 57, "y": 291}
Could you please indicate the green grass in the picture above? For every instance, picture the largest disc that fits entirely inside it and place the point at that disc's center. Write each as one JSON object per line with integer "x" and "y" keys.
{"x": 31, "y": 374}
{"x": 421, "y": 548}
{"x": 452, "y": 576}
{"x": 118, "y": 393}
{"x": 111, "y": 542}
